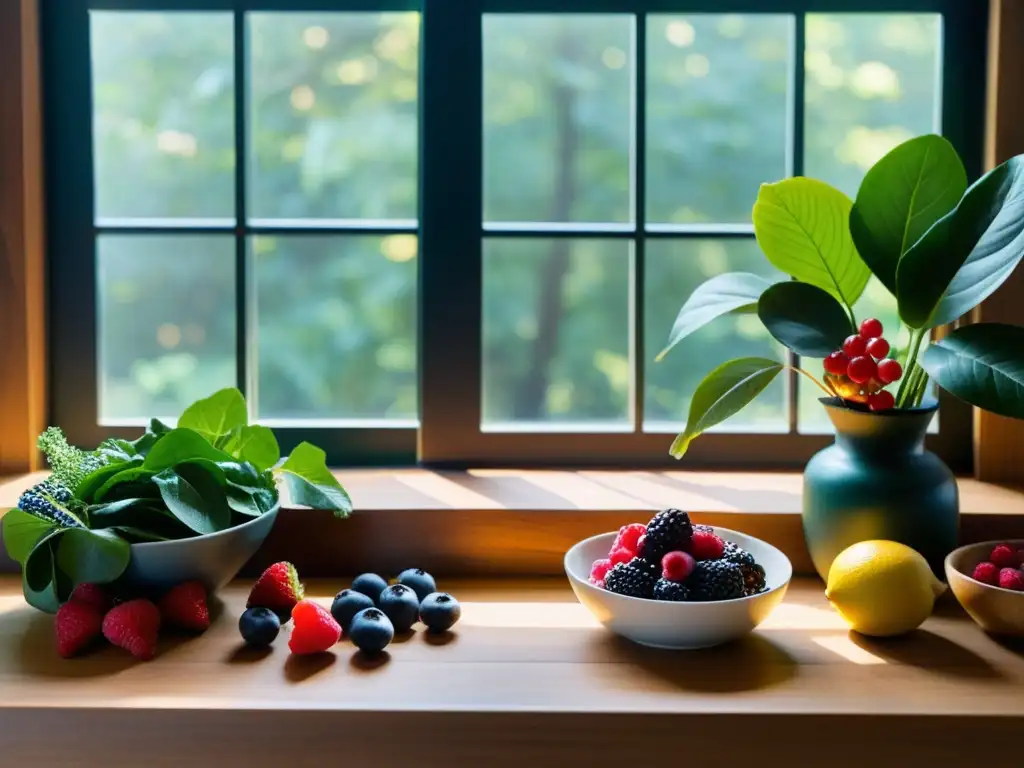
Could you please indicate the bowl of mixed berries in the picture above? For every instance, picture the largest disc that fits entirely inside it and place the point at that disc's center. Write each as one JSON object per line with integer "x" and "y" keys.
{"x": 988, "y": 580}
{"x": 673, "y": 584}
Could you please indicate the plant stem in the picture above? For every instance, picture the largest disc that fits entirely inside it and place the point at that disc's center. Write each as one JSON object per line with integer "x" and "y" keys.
{"x": 827, "y": 390}
{"x": 910, "y": 367}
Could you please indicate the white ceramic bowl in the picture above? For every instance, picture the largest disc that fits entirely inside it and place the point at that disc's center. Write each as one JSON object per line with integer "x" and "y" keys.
{"x": 661, "y": 624}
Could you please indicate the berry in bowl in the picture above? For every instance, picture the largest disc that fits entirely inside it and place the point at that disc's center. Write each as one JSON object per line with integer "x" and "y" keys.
{"x": 671, "y": 584}
{"x": 988, "y": 580}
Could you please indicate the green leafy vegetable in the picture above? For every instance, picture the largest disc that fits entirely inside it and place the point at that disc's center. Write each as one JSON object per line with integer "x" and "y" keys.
{"x": 194, "y": 496}
{"x": 180, "y": 445}
{"x": 216, "y": 416}
{"x": 255, "y": 444}
{"x": 311, "y": 483}
{"x": 92, "y": 557}
{"x": 22, "y": 532}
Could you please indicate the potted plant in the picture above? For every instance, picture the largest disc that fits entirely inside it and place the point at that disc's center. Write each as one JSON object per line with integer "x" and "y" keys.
{"x": 190, "y": 502}
{"x": 940, "y": 248}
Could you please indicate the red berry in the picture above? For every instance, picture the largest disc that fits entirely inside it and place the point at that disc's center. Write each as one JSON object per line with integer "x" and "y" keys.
{"x": 629, "y": 536}
{"x": 878, "y": 348}
{"x": 986, "y": 573}
{"x": 855, "y": 346}
{"x": 1020, "y": 557}
{"x": 315, "y": 629}
{"x": 185, "y": 607}
{"x": 881, "y": 401}
{"x": 640, "y": 543}
{"x": 278, "y": 589}
{"x": 889, "y": 371}
{"x": 871, "y": 328}
{"x": 133, "y": 626}
{"x": 620, "y": 555}
{"x": 76, "y": 625}
{"x": 1011, "y": 578}
{"x": 91, "y": 594}
{"x": 677, "y": 566}
{"x": 1003, "y": 556}
{"x": 706, "y": 546}
{"x": 598, "y": 571}
{"x": 861, "y": 370}
{"x": 836, "y": 363}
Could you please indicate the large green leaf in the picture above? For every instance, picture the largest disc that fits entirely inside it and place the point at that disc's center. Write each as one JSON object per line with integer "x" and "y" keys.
{"x": 96, "y": 479}
{"x": 311, "y": 483}
{"x": 731, "y": 292}
{"x": 92, "y": 557}
{"x": 804, "y": 318}
{"x": 22, "y": 532}
{"x": 255, "y": 444}
{"x": 130, "y": 475}
{"x": 802, "y": 225}
{"x": 181, "y": 445}
{"x": 42, "y": 585}
{"x": 901, "y": 197}
{"x": 195, "y": 497}
{"x": 983, "y": 365}
{"x": 216, "y": 416}
{"x": 141, "y": 513}
{"x": 968, "y": 253}
{"x": 723, "y": 393}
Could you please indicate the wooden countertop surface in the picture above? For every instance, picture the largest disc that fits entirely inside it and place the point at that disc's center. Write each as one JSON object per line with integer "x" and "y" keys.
{"x": 528, "y": 676}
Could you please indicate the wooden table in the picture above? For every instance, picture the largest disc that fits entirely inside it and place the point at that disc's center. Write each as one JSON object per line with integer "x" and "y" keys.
{"x": 529, "y": 679}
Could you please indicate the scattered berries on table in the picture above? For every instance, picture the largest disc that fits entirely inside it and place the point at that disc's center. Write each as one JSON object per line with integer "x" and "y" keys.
{"x": 315, "y": 630}
{"x": 92, "y": 594}
{"x": 878, "y": 348}
{"x": 440, "y": 611}
{"x": 629, "y": 537}
{"x": 419, "y": 581}
{"x": 668, "y": 531}
{"x": 871, "y": 328}
{"x": 881, "y": 401}
{"x": 986, "y": 573}
{"x": 259, "y": 627}
{"x": 278, "y": 589}
{"x": 677, "y": 566}
{"x": 400, "y": 604}
{"x": 347, "y": 604}
{"x": 855, "y": 346}
{"x": 672, "y": 591}
{"x": 371, "y": 631}
{"x": 76, "y": 626}
{"x": 370, "y": 584}
{"x": 1011, "y": 578}
{"x": 599, "y": 570}
{"x": 706, "y": 546}
{"x": 716, "y": 580}
{"x": 133, "y": 626}
{"x": 185, "y": 607}
{"x": 1003, "y": 556}
{"x": 633, "y": 579}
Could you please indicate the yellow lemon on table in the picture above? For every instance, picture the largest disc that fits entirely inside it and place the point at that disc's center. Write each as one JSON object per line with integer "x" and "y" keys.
{"x": 882, "y": 588}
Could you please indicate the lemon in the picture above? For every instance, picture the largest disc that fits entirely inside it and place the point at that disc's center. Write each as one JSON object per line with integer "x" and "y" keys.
{"x": 882, "y": 588}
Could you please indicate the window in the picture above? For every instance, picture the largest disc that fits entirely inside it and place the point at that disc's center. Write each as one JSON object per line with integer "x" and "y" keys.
{"x": 460, "y": 231}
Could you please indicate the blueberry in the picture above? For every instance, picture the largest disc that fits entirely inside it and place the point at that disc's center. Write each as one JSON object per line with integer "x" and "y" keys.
{"x": 421, "y": 582}
{"x": 259, "y": 626}
{"x": 370, "y": 584}
{"x": 401, "y": 605}
{"x": 440, "y": 611}
{"x": 371, "y": 630}
{"x": 347, "y": 604}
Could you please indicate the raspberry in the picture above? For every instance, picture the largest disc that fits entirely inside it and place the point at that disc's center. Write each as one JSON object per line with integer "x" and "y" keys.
{"x": 315, "y": 629}
{"x": 76, "y": 625}
{"x": 706, "y": 546}
{"x": 677, "y": 566}
{"x": 871, "y": 328}
{"x": 881, "y": 401}
{"x": 598, "y": 571}
{"x": 1011, "y": 578}
{"x": 1003, "y": 556}
{"x": 986, "y": 573}
{"x": 620, "y": 555}
{"x": 854, "y": 346}
{"x": 889, "y": 371}
{"x": 629, "y": 537}
{"x": 878, "y": 348}
{"x": 861, "y": 370}
{"x": 641, "y": 545}
{"x": 836, "y": 363}
{"x": 185, "y": 607}
{"x": 93, "y": 595}
{"x": 133, "y": 626}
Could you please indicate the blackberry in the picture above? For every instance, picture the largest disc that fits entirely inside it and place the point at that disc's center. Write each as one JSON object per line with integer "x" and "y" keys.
{"x": 671, "y": 590}
{"x": 668, "y": 531}
{"x": 634, "y": 579}
{"x": 46, "y": 501}
{"x": 753, "y": 574}
{"x": 716, "y": 580}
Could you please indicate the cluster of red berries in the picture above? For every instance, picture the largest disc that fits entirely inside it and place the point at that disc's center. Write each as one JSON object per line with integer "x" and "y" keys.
{"x": 1002, "y": 569}
{"x": 861, "y": 370}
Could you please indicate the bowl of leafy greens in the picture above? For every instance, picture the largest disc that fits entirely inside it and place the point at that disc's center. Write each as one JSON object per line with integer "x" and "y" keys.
{"x": 194, "y": 501}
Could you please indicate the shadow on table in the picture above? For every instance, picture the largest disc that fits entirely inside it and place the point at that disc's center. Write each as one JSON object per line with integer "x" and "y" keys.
{"x": 926, "y": 650}
{"x": 299, "y": 668}
{"x": 748, "y": 664}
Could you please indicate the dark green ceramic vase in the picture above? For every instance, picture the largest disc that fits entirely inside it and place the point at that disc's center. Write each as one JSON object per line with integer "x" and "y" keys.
{"x": 877, "y": 481}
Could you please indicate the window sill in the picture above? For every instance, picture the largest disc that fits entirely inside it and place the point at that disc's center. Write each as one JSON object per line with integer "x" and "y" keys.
{"x": 521, "y": 522}
{"x": 528, "y": 678}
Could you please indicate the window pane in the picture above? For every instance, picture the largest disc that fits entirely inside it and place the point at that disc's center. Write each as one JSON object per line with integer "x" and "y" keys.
{"x": 334, "y": 129}
{"x": 336, "y": 319}
{"x": 674, "y": 268}
{"x": 163, "y": 125}
{"x": 556, "y": 334}
{"x": 166, "y": 322}
{"x": 558, "y": 118}
{"x": 717, "y": 113}
{"x": 872, "y": 82}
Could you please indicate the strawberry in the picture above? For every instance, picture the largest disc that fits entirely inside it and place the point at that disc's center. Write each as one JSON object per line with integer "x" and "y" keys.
{"x": 277, "y": 589}
{"x": 76, "y": 625}
{"x": 92, "y": 594}
{"x": 185, "y": 607}
{"x": 315, "y": 629}
{"x": 133, "y": 626}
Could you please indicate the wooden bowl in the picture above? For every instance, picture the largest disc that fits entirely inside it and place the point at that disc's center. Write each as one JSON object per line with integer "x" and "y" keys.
{"x": 996, "y": 610}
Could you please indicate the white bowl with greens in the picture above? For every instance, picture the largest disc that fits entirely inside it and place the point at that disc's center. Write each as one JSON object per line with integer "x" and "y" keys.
{"x": 176, "y": 504}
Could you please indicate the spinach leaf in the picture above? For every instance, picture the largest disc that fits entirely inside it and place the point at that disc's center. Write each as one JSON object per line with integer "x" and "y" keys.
{"x": 255, "y": 444}
{"x": 139, "y": 513}
{"x": 195, "y": 497}
{"x": 22, "y": 532}
{"x": 92, "y": 557}
{"x": 40, "y": 583}
{"x": 130, "y": 475}
{"x": 310, "y": 482}
{"x": 180, "y": 445}
{"x": 96, "y": 479}
{"x": 216, "y": 416}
